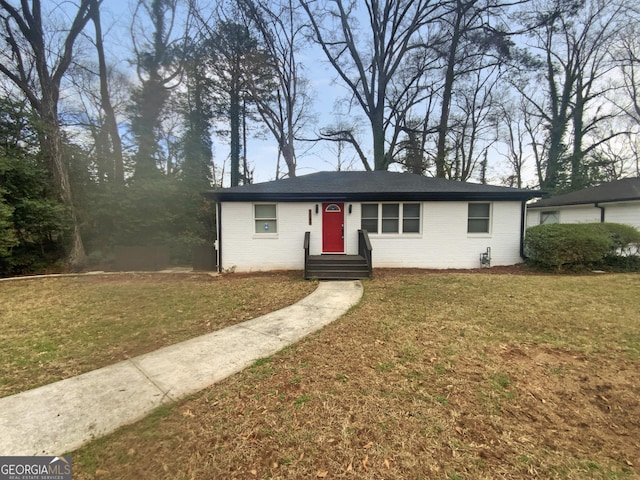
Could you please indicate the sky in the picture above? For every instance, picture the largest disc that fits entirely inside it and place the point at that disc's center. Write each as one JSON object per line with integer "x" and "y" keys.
{"x": 262, "y": 151}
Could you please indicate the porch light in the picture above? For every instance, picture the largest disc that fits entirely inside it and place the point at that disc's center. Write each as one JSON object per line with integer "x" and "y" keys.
{"x": 316, "y": 208}
{"x": 350, "y": 208}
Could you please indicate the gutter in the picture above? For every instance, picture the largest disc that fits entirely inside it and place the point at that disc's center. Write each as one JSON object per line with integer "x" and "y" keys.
{"x": 602, "y": 211}
{"x": 219, "y": 234}
{"x": 523, "y": 217}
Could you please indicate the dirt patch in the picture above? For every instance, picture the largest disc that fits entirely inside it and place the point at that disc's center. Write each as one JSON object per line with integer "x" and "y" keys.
{"x": 561, "y": 401}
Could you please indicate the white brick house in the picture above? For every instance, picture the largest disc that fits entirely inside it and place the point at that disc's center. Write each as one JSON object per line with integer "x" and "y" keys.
{"x": 411, "y": 221}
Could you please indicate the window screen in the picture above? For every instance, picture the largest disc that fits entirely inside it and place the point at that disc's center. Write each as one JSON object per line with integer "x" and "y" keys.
{"x": 265, "y": 218}
{"x": 411, "y": 218}
{"x": 369, "y": 220}
{"x": 479, "y": 216}
{"x": 390, "y": 217}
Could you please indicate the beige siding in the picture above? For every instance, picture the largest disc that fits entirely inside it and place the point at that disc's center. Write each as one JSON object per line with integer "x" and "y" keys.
{"x": 627, "y": 212}
{"x": 569, "y": 214}
{"x": 533, "y": 217}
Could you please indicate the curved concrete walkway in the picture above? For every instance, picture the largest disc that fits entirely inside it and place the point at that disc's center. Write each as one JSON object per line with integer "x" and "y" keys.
{"x": 62, "y": 416}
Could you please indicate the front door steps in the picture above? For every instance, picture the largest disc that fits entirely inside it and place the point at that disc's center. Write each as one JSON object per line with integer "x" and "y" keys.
{"x": 337, "y": 267}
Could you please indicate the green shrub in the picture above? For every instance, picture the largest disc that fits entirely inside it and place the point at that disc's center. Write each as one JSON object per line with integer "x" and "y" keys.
{"x": 623, "y": 256}
{"x": 621, "y": 263}
{"x": 625, "y": 238}
{"x": 563, "y": 244}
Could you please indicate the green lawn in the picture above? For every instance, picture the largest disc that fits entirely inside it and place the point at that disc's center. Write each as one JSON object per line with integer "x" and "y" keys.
{"x": 54, "y": 328}
{"x": 433, "y": 376}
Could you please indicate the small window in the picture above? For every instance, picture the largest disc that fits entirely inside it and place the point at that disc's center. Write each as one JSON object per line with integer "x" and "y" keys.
{"x": 390, "y": 217}
{"x": 265, "y": 218}
{"x": 549, "y": 217}
{"x": 411, "y": 218}
{"x": 369, "y": 217}
{"x": 332, "y": 208}
{"x": 479, "y": 218}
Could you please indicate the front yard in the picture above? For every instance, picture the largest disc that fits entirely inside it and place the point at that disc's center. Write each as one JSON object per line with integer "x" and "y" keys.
{"x": 55, "y": 328}
{"x": 434, "y": 375}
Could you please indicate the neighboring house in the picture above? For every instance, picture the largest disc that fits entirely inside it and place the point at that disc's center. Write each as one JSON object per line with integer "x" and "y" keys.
{"x": 411, "y": 221}
{"x": 616, "y": 202}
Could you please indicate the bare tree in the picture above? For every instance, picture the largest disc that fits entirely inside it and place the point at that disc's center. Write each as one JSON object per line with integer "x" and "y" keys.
{"x": 474, "y": 39}
{"x": 159, "y": 54}
{"x": 36, "y": 59}
{"x": 285, "y": 111}
{"x": 109, "y": 135}
{"x": 86, "y": 107}
{"x": 574, "y": 43}
{"x": 474, "y": 129}
{"x": 626, "y": 54}
{"x": 512, "y": 131}
{"x": 102, "y": 92}
{"x": 630, "y": 69}
{"x": 369, "y": 59}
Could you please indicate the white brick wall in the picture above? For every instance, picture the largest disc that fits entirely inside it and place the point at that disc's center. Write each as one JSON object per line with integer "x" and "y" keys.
{"x": 442, "y": 243}
{"x": 445, "y": 243}
{"x": 247, "y": 251}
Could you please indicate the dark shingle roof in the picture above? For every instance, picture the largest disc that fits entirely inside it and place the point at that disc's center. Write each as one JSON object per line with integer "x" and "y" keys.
{"x": 623, "y": 190}
{"x": 366, "y": 186}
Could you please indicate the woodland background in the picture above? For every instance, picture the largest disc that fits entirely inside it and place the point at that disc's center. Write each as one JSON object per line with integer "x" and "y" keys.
{"x": 93, "y": 154}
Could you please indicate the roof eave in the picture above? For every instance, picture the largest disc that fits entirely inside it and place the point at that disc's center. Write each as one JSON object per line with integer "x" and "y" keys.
{"x": 221, "y": 196}
{"x": 585, "y": 203}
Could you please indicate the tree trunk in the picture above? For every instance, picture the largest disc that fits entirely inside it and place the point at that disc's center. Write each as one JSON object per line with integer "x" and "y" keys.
{"x": 377, "y": 127}
{"x": 116, "y": 166}
{"x": 577, "y": 156}
{"x": 449, "y": 79}
{"x": 234, "y": 116}
{"x": 288, "y": 153}
{"x": 52, "y": 148}
{"x": 551, "y": 179}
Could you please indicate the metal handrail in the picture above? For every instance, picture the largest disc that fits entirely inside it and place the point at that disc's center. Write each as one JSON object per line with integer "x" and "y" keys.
{"x": 307, "y": 240}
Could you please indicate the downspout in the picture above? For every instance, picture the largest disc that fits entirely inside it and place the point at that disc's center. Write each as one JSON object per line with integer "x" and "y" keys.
{"x": 219, "y": 234}
{"x": 602, "y": 215}
{"x": 523, "y": 217}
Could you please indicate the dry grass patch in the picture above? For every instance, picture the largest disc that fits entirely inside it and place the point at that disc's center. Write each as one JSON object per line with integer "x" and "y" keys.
{"x": 433, "y": 376}
{"x": 54, "y": 328}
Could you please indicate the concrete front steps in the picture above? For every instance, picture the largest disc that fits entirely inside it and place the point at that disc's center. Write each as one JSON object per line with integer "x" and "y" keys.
{"x": 337, "y": 267}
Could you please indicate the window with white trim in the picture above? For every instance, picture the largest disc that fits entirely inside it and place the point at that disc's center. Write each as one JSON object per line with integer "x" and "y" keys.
{"x": 411, "y": 218}
{"x": 479, "y": 218}
{"x": 369, "y": 220}
{"x": 265, "y": 218}
{"x": 391, "y": 218}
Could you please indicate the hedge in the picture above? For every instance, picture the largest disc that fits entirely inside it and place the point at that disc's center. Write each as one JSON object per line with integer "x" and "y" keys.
{"x": 581, "y": 245}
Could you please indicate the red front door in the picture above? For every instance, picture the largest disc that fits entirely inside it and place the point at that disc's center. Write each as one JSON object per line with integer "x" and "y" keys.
{"x": 333, "y": 228}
